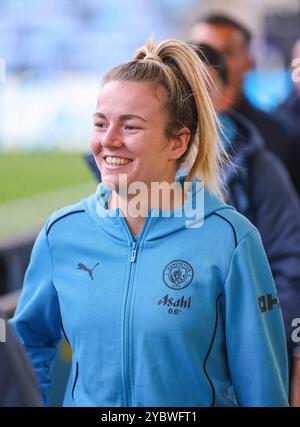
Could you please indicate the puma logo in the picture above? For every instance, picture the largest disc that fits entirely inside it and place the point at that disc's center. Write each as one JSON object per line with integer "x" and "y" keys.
{"x": 85, "y": 268}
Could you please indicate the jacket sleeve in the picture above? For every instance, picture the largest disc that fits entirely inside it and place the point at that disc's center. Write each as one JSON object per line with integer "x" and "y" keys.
{"x": 37, "y": 321}
{"x": 254, "y": 327}
{"x": 278, "y": 221}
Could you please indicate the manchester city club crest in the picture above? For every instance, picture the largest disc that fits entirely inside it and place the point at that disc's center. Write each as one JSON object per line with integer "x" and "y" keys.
{"x": 178, "y": 274}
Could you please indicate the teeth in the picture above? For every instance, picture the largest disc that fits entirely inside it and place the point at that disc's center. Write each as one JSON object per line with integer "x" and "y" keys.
{"x": 116, "y": 161}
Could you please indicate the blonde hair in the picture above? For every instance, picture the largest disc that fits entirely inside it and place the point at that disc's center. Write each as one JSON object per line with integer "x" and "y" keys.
{"x": 176, "y": 66}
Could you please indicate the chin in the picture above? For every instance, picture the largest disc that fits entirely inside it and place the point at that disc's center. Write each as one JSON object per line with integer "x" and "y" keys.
{"x": 110, "y": 182}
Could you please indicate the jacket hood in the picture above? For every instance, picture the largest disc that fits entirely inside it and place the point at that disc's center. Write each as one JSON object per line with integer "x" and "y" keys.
{"x": 199, "y": 205}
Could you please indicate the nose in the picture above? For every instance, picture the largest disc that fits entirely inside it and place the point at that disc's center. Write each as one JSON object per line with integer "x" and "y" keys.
{"x": 111, "y": 137}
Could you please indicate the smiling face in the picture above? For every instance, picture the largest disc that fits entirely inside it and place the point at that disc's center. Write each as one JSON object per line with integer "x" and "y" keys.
{"x": 129, "y": 135}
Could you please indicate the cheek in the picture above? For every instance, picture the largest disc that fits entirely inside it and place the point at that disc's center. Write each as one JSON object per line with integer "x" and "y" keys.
{"x": 95, "y": 143}
{"x": 237, "y": 66}
{"x": 232, "y": 63}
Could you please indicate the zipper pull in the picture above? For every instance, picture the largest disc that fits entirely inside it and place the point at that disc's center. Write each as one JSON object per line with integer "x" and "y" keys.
{"x": 133, "y": 252}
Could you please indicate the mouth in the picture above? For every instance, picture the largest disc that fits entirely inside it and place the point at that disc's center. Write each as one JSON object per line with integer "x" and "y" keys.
{"x": 116, "y": 161}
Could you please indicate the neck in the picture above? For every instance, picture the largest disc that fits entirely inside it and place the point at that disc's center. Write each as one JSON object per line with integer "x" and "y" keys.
{"x": 135, "y": 208}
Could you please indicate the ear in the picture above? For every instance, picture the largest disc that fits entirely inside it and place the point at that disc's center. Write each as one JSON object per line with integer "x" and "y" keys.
{"x": 179, "y": 143}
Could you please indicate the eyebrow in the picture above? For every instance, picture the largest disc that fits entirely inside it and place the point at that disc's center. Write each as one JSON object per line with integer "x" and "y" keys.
{"x": 122, "y": 117}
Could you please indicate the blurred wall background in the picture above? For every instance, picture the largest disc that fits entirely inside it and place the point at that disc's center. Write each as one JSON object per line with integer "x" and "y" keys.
{"x": 56, "y": 51}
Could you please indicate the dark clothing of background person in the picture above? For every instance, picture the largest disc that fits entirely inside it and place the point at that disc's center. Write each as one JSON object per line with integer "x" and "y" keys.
{"x": 18, "y": 386}
{"x": 89, "y": 158}
{"x": 279, "y": 135}
{"x": 261, "y": 189}
{"x": 292, "y": 105}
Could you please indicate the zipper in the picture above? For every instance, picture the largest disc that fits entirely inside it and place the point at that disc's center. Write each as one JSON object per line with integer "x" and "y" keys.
{"x": 127, "y": 389}
{"x": 133, "y": 251}
{"x": 128, "y": 309}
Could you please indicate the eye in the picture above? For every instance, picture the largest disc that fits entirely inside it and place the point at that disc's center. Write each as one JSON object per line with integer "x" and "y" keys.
{"x": 100, "y": 125}
{"x": 131, "y": 127}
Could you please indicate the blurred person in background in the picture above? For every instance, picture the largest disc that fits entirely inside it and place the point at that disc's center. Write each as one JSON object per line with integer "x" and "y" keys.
{"x": 18, "y": 385}
{"x": 260, "y": 188}
{"x": 157, "y": 312}
{"x": 291, "y": 106}
{"x": 234, "y": 40}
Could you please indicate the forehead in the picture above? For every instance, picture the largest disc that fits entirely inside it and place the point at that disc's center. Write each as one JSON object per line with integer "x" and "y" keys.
{"x": 218, "y": 36}
{"x": 130, "y": 97}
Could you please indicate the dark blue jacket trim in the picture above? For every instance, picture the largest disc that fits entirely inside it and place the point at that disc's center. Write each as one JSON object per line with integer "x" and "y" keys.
{"x": 61, "y": 217}
{"x": 213, "y": 401}
{"x": 231, "y": 225}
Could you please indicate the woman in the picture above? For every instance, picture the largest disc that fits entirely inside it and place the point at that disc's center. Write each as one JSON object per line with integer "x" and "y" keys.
{"x": 158, "y": 312}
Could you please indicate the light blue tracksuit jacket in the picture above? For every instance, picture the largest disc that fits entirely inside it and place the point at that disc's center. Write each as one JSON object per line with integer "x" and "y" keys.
{"x": 179, "y": 316}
